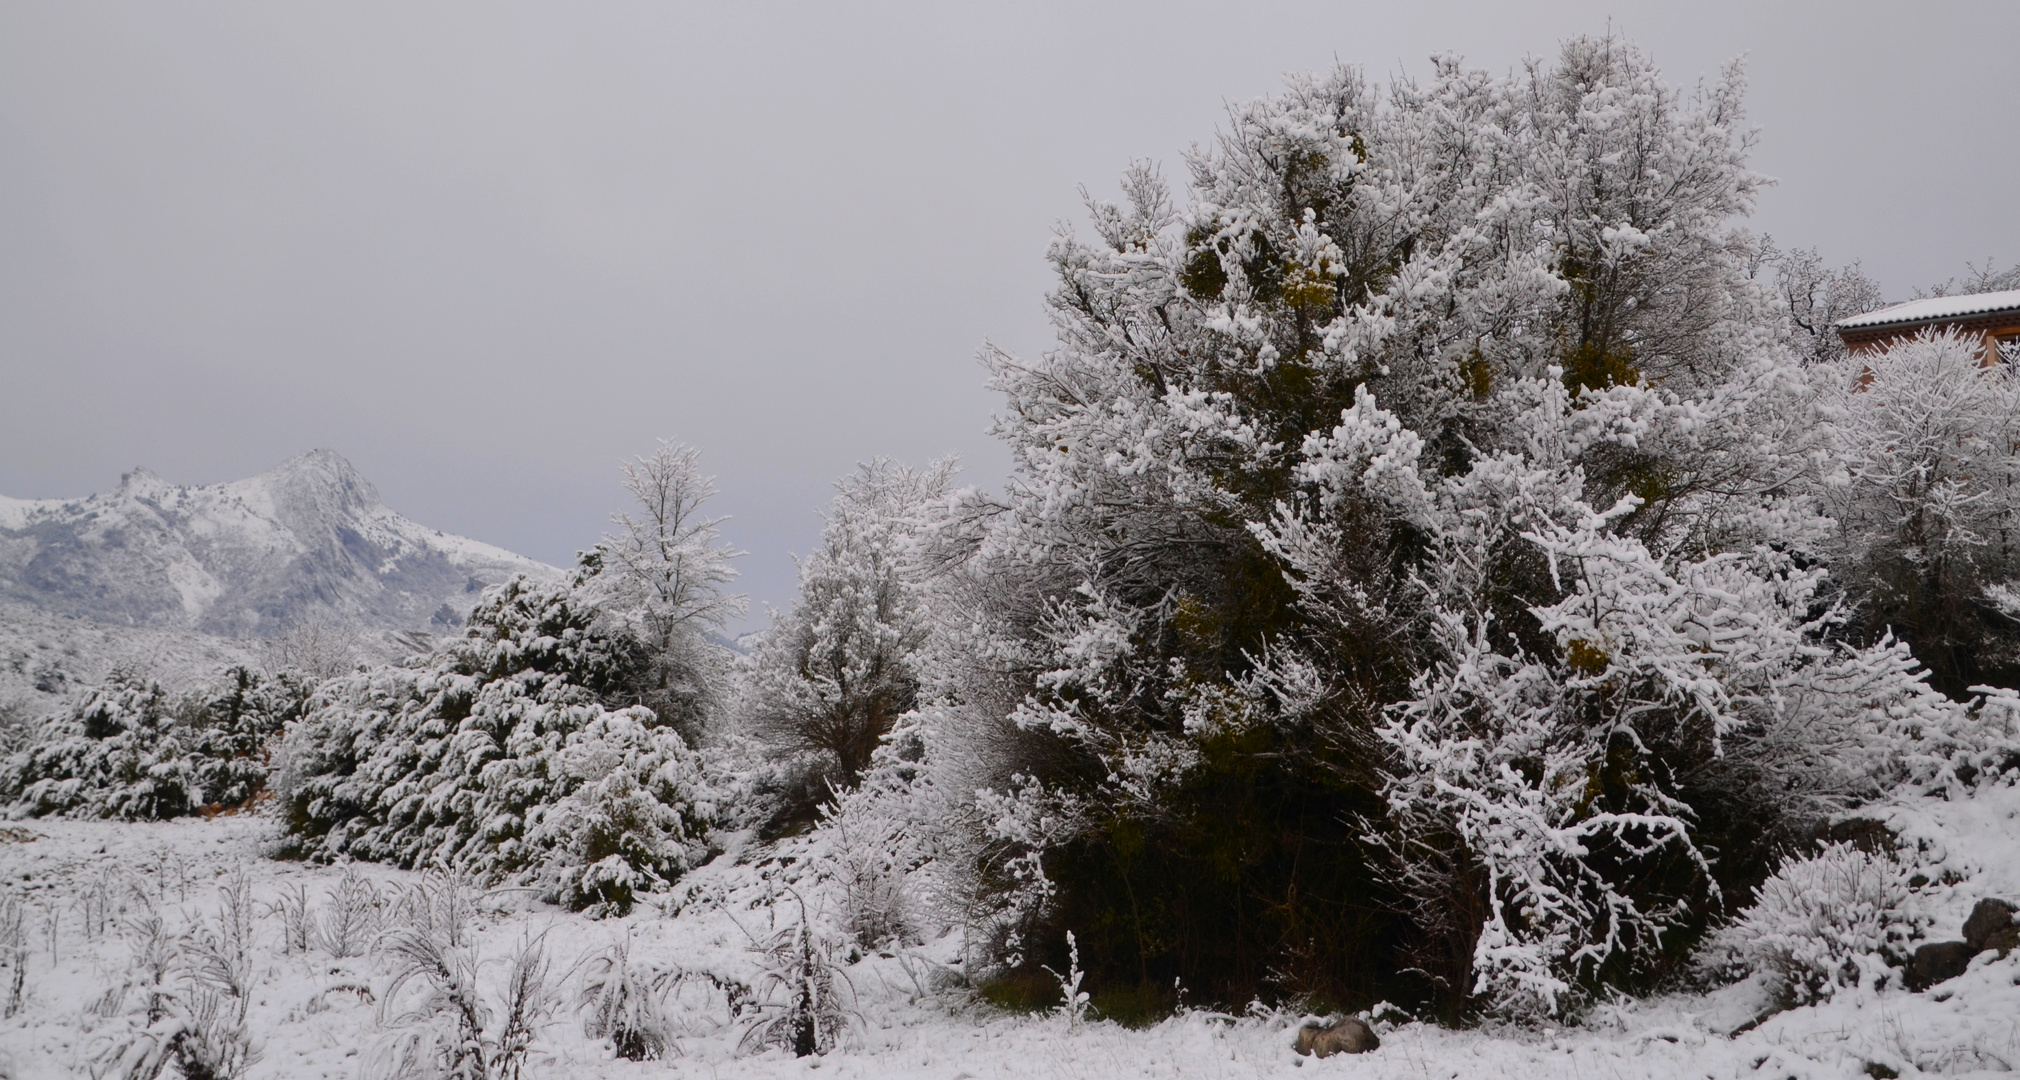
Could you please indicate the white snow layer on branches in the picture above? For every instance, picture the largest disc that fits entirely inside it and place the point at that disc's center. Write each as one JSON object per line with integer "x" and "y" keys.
{"x": 499, "y": 759}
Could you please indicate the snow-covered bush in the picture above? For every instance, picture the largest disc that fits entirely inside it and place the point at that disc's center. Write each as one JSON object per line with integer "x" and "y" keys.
{"x": 445, "y": 1026}
{"x": 504, "y": 756}
{"x": 1838, "y": 918}
{"x": 194, "y": 1033}
{"x": 804, "y": 1002}
{"x": 19, "y": 726}
{"x": 868, "y": 854}
{"x": 637, "y": 812}
{"x": 129, "y": 750}
{"x": 643, "y": 1007}
{"x": 625, "y": 1001}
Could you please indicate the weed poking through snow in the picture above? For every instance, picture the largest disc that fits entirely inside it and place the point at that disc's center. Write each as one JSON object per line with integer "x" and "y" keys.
{"x": 448, "y": 1029}
{"x": 14, "y": 950}
{"x": 351, "y": 917}
{"x": 1073, "y": 1007}
{"x": 625, "y": 1002}
{"x": 805, "y": 1003}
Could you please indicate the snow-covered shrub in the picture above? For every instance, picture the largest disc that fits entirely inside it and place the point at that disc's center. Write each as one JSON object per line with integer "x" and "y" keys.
{"x": 129, "y": 750}
{"x": 195, "y": 992}
{"x": 633, "y": 820}
{"x": 353, "y": 911}
{"x": 874, "y": 844}
{"x": 804, "y": 1002}
{"x": 625, "y": 1002}
{"x": 446, "y": 1026}
{"x": 195, "y": 1034}
{"x": 506, "y": 755}
{"x": 1822, "y": 922}
{"x": 868, "y": 857}
{"x": 19, "y": 726}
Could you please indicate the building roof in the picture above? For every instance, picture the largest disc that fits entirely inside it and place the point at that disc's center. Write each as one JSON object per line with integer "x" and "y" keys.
{"x": 1935, "y": 309}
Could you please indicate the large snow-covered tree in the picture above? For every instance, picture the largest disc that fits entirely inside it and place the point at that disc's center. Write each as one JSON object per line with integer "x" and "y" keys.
{"x": 1442, "y": 455}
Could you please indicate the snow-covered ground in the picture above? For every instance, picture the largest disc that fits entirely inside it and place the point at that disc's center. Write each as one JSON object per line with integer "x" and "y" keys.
{"x": 317, "y": 1015}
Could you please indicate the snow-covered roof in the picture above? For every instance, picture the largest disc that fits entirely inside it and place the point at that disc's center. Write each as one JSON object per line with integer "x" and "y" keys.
{"x": 1936, "y": 309}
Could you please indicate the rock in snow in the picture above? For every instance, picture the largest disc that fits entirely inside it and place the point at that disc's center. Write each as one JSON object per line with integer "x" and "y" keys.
{"x": 1347, "y": 1035}
{"x": 307, "y": 540}
{"x": 1991, "y": 926}
{"x": 1937, "y": 962}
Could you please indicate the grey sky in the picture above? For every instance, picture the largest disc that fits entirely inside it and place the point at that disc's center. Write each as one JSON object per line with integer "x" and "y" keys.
{"x": 486, "y": 250}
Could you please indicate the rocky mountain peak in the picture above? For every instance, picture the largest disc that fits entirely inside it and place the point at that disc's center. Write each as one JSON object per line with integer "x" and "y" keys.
{"x": 140, "y": 483}
{"x": 309, "y": 539}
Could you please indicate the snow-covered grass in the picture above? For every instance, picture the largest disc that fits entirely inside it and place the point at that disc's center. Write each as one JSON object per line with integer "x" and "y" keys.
{"x": 88, "y": 889}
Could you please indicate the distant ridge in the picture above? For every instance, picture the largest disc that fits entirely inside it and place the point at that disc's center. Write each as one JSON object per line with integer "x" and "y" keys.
{"x": 307, "y": 540}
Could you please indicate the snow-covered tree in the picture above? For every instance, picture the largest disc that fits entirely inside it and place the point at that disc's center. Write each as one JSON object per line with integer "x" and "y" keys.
{"x": 554, "y": 744}
{"x": 1977, "y": 278}
{"x": 833, "y": 674}
{"x": 1926, "y": 459}
{"x": 664, "y": 577}
{"x": 1430, "y": 498}
{"x": 510, "y": 754}
{"x": 1814, "y": 297}
{"x": 314, "y": 649}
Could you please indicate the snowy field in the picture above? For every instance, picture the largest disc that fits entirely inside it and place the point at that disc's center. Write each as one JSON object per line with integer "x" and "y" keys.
{"x": 87, "y": 889}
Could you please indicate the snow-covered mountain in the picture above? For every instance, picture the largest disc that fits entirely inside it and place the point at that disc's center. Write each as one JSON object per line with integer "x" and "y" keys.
{"x": 308, "y": 540}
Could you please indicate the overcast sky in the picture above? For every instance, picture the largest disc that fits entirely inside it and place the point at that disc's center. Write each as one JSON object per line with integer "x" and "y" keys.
{"x": 487, "y": 250}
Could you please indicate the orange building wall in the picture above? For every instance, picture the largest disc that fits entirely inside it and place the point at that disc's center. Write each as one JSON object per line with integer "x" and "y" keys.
{"x": 2003, "y": 325}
